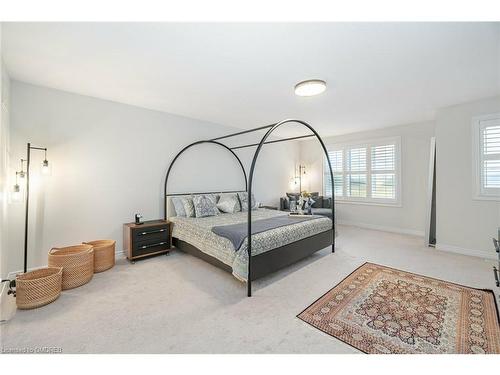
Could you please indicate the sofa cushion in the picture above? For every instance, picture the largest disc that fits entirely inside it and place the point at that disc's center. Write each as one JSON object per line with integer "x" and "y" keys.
{"x": 322, "y": 211}
{"x": 284, "y": 203}
{"x": 318, "y": 202}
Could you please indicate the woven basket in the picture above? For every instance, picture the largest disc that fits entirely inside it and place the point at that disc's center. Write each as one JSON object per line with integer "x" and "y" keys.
{"x": 104, "y": 254}
{"x": 77, "y": 263}
{"x": 38, "y": 288}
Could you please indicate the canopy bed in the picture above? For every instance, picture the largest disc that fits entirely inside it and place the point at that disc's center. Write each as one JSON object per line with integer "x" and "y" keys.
{"x": 252, "y": 242}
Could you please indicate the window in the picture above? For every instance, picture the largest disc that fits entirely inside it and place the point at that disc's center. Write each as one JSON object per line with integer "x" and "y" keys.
{"x": 366, "y": 172}
{"x": 486, "y": 138}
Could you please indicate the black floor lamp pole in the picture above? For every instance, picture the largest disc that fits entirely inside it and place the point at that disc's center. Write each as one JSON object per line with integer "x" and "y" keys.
{"x": 27, "y": 208}
{"x": 26, "y": 216}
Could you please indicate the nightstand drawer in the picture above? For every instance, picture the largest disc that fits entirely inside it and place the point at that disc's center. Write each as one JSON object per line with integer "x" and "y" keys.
{"x": 150, "y": 235}
{"x": 144, "y": 249}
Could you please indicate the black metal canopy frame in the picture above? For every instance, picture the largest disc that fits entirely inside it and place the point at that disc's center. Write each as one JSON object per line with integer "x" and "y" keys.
{"x": 249, "y": 180}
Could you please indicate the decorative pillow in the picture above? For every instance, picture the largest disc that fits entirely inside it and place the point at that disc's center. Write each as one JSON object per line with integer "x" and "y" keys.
{"x": 286, "y": 203}
{"x": 229, "y": 203}
{"x": 204, "y": 205}
{"x": 213, "y": 197}
{"x": 315, "y": 199}
{"x": 293, "y": 200}
{"x": 318, "y": 202}
{"x": 243, "y": 197}
{"x": 178, "y": 206}
{"x": 327, "y": 202}
{"x": 187, "y": 202}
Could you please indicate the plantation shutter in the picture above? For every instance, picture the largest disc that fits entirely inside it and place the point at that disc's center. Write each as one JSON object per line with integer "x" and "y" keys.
{"x": 383, "y": 168}
{"x": 337, "y": 161}
{"x": 490, "y": 140}
{"x": 357, "y": 177}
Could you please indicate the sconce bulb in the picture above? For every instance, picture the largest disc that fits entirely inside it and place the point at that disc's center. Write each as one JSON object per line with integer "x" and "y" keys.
{"x": 16, "y": 193}
{"x": 45, "y": 167}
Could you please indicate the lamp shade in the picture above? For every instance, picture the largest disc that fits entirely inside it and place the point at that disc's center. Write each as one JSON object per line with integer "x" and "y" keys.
{"x": 46, "y": 169}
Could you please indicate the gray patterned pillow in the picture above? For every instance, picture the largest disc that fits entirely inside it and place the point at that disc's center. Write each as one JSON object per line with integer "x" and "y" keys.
{"x": 204, "y": 205}
{"x": 187, "y": 202}
{"x": 229, "y": 203}
{"x": 178, "y": 206}
{"x": 243, "y": 196}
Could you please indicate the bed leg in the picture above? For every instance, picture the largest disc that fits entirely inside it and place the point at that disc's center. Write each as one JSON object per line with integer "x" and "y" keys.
{"x": 333, "y": 247}
{"x": 249, "y": 288}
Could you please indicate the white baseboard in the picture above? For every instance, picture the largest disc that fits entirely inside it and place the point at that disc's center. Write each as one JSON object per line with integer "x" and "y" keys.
{"x": 471, "y": 252}
{"x": 411, "y": 232}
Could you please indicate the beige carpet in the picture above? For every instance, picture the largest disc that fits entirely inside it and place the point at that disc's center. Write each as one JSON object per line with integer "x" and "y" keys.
{"x": 180, "y": 304}
{"x": 381, "y": 310}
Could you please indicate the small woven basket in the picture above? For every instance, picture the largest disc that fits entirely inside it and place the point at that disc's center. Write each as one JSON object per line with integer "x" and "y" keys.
{"x": 38, "y": 288}
{"x": 104, "y": 254}
{"x": 77, "y": 263}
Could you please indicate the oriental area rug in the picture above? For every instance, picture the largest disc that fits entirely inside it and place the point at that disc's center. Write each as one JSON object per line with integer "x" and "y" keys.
{"x": 378, "y": 309}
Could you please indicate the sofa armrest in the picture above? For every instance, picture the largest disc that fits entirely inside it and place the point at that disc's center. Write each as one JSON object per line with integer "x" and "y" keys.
{"x": 282, "y": 203}
{"x": 327, "y": 202}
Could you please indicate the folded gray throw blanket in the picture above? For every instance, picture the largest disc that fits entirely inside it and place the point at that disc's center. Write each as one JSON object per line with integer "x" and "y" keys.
{"x": 237, "y": 233}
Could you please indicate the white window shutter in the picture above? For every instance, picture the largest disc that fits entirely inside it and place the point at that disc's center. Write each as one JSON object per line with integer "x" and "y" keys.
{"x": 383, "y": 166}
{"x": 491, "y": 157}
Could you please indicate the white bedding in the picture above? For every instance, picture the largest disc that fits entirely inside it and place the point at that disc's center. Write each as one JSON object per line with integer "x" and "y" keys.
{"x": 198, "y": 232}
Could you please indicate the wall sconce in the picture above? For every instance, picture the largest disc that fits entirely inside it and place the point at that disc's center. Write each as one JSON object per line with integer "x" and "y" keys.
{"x": 299, "y": 175}
{"x": 45, "y": 166}
{"x": 17, "y": 195}
{"x": 22, "y": 173}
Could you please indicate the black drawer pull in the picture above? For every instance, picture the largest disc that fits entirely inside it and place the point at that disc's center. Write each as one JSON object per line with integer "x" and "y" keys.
{"x": 153, "y": 245}
{"x": 152, "y": 231}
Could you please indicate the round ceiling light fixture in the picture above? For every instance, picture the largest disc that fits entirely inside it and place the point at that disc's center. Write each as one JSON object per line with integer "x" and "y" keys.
{"x": 310, "y": 87}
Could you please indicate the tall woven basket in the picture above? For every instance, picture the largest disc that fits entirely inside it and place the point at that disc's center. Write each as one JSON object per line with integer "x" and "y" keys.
{"x": 104, "y": 254}
{"x": 38, "y": 288}
{"x": 77, "y": 263}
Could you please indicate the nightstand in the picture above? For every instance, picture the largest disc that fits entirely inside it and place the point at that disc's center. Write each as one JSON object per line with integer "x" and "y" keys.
{"x": 151, "y": 238}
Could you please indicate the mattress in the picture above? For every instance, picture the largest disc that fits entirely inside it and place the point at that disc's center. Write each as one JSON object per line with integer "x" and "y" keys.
{"x": 198, "y": 232}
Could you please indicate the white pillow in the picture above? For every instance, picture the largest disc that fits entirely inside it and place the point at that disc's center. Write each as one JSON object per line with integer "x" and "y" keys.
{"x": 187, "y": 202}
{"x": 178, "y": 206}
{"x": 229, "y": 203}
{"x": 243, "y": 197}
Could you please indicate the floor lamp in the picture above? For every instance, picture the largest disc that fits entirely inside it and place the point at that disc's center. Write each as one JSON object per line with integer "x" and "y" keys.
{"x": 26, "y": 174}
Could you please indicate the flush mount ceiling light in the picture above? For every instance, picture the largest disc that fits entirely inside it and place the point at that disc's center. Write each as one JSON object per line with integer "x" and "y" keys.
{"x": 310, "y": 87}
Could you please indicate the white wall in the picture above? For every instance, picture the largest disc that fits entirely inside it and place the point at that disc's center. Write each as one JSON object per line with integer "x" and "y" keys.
{"x": 4, "y": 160}
{"x": 463, "y": 224}
{"x": 109, "y": 161}
{"x": 411, "y": 216}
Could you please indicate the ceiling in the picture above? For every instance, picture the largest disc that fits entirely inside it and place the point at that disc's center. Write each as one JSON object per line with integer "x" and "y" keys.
{"x": 242, "y": 75}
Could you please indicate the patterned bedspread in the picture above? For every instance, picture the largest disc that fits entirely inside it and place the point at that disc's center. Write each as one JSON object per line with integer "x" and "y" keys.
{"x": 198, "y": 232}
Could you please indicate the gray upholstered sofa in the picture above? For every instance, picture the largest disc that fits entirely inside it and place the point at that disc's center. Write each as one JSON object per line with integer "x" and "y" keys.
{"x": 321, "y": 206}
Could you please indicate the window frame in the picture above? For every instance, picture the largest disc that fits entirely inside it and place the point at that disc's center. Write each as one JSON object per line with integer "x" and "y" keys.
{"x": 479, "y": 191}
{"x": 368, "y": 144}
